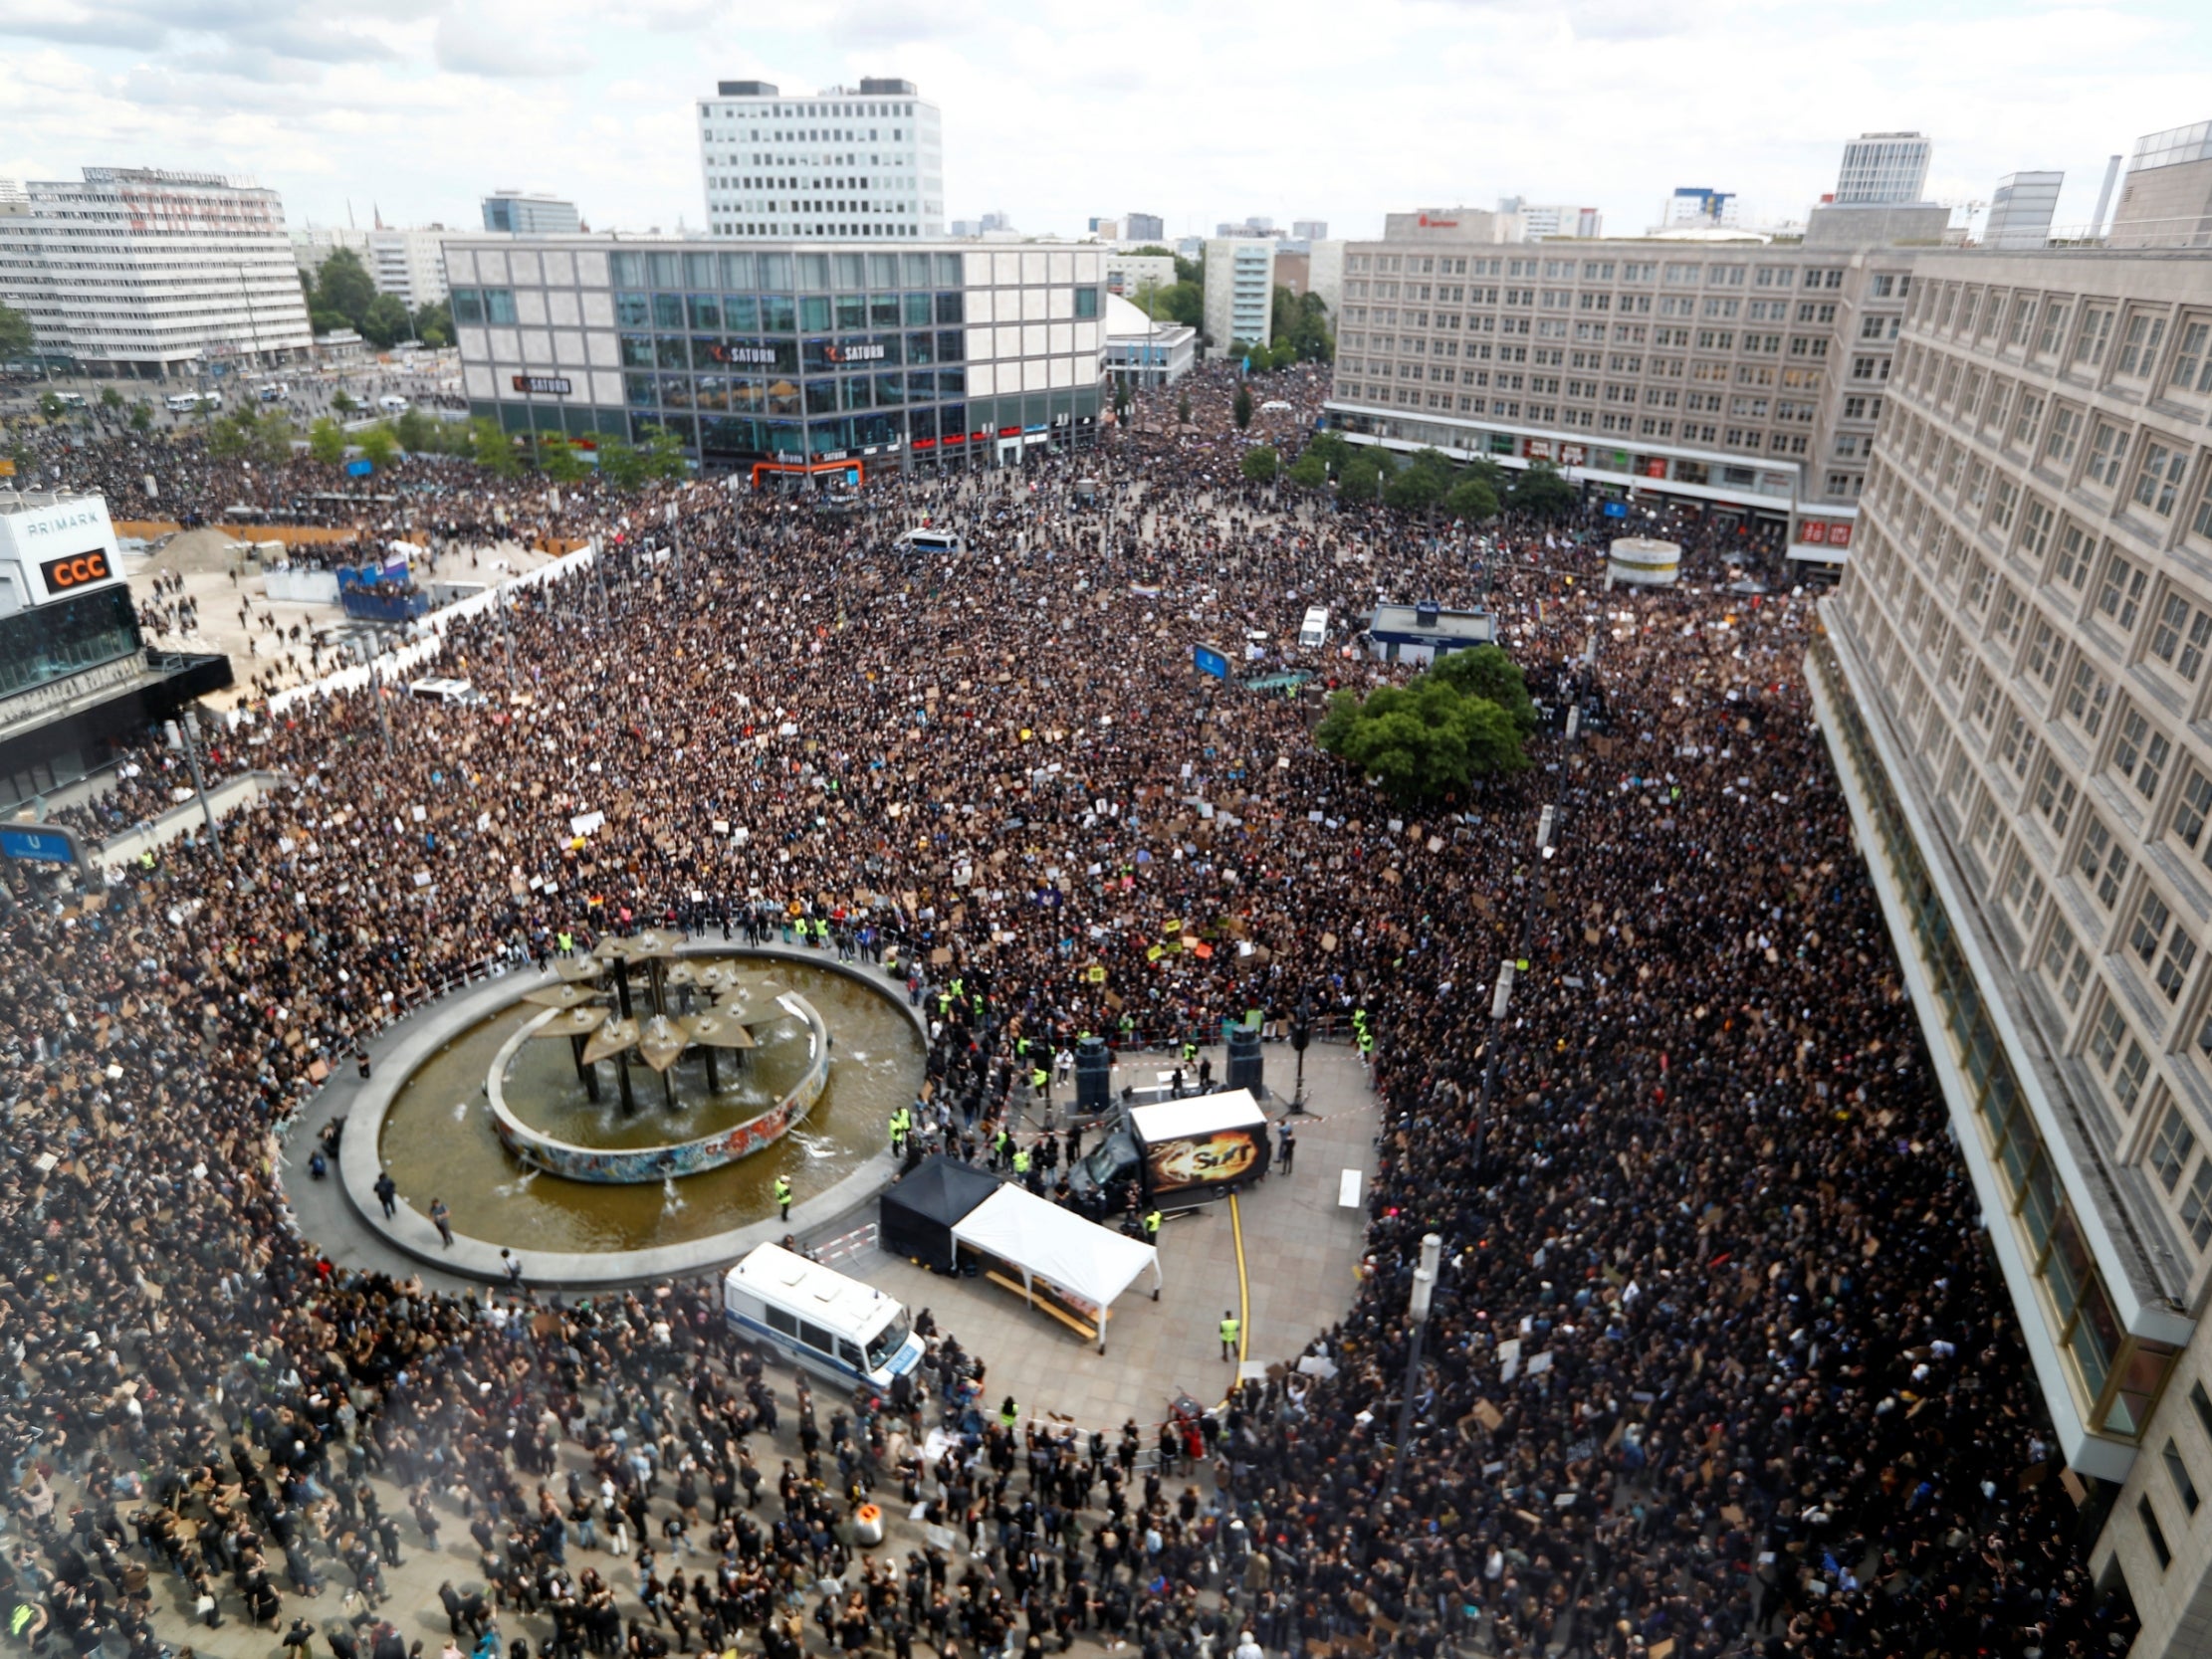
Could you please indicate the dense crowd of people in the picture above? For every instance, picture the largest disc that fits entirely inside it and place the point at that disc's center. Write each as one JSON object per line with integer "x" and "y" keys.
{"x": 1717, "y": 1363}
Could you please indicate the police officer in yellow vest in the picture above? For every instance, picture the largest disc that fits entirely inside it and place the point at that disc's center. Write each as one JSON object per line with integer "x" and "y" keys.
{"x": 1151, "y": 1226}
{"x": 1010, "y": 1414}
{"x": 784, "y": 1197}
{"x": 566, "y": 941}
{"x": 1231, "y": 1325}
{"x": 1021, "y": 1161}
{"x": 1040, "y": 1082}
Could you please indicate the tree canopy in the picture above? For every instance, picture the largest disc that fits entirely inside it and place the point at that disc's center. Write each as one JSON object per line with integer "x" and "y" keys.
{"x": 1424, "y": 740}
{"x": 1541, "y": 491}
{"x": 1489, "y": 673}
{"x": 1241, "y": 410}
{"x": 1259, "y": 464}
{"x": 15, "y": 333}
{"x": 1301, "y": 329}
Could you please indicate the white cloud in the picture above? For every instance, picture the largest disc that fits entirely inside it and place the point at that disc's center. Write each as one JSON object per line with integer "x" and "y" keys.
{"x": 1054, "y": 110}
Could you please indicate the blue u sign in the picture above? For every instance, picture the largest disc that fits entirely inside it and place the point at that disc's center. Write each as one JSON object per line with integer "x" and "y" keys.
{"x": 39, "y": 846}
{"x": 1209, "y": 661}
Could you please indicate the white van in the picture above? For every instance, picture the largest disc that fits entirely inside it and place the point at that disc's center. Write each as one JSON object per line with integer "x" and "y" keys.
{"x": 392, "y": 404}
{"x": 1313, "y": 633}
{"x": 926, "y": 544}
{"x": 834, "y": 1326}
{"x": 446, "y": 690}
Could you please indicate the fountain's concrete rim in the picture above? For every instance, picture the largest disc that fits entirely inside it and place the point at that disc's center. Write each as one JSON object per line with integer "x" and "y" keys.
{"x": 420, "y": 1034}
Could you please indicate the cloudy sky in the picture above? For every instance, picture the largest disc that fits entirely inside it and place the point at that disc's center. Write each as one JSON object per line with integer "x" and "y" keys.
{"x": 1055, "y": 111}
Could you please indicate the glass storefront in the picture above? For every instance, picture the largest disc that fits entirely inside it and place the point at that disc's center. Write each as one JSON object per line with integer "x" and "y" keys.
{"x": 53, "y": 642}
{"x": 856, "y": 351}
{"x": 2115, "y": 1376}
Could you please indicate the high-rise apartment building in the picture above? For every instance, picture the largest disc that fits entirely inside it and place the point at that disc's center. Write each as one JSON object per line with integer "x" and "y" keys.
{"x": 135, "y": 271}
{"x": 2020, "y": 210}
{"x": 1309, "y": 230}
{"x": 1883, "y": 167}
{"x": 2014, "y": 682}
{"x": 852, "y": 163}
{"x": 2167, "y": 199}
{"x": 1142, "y": 227}
{"x": 520, "y": 213}
{"x": 1744, "y": 375}
{"x": 1240, "y": 292}
{"x": 1699, "y": 205}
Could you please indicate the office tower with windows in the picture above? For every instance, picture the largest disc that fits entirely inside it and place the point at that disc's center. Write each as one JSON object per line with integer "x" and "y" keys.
{"x": 520, "y": 213}
{"x": 1881, "y": 169}
{"x": 852, "y": 163}
{"x": 792, "y": 360}
{"x": 2014, "y": 679}
{"x": 140, "y": 272}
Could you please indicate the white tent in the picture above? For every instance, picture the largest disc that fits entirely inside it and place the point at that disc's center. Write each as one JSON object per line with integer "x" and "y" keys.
{"x": 1082, "y": 1261}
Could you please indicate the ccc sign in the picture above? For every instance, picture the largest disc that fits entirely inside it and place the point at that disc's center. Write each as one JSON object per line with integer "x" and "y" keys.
{"x": 76, "y": 570}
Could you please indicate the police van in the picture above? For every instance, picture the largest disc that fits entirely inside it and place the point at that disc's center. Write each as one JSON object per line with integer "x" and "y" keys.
{"x": 929, "y": 544}
{"x": 836, "y": 1326}
{"x": 1313, "y": 633}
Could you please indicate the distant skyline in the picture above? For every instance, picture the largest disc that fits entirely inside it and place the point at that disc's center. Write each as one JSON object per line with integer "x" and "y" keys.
{"x": 1057, "y": 111}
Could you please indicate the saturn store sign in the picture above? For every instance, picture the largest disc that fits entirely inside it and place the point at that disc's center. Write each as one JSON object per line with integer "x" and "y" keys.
{"x": 542, "y": 385}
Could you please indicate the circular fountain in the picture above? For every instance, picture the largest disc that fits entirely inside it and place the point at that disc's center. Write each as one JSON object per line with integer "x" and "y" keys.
{"x": 629, "y": 1113}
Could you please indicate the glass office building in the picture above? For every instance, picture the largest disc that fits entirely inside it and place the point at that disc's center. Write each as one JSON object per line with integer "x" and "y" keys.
{"x": 786, "y": 357}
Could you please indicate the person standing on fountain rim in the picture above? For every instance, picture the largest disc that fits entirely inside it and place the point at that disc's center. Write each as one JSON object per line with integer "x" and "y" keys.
{"x": 784, "y": 1197}
{"x": 442, "y": 1219}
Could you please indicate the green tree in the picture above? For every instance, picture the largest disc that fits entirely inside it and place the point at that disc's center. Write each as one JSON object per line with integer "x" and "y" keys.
{"x": 1190, "y": 271}
{"x": 16, "y": 338}
{"x": 343, "y": 402}
{"x": 1490, "y": 674}
{"x": 327, "y": 441}
{"x": 232, "y": 437}
{"x": 1260, "y": 464}
{"x": 385, "y": 322}
{"x": 142, "y": 416}
{"x": 1182, "y": 408}
{"x": 621, "y": 465}
{"x": 417, "y": 432}
{"x": 1309, "y": 470}
{"x": 109, "y": 398}
{"x": 558, "y": 458}
{"x": 1422, "y": 740}
{"x": 434, "y": 324}
{"x": 1361, "y": 481}
{"x": 323, "y": 320}
{"x": 272, "y": 435}
{"x": 1472, "y": 499}
{"x": 1416, "y": 490}
{"x": 1242, "y": 410}
{"x": 1332, "y": 446}
{"x": 664, "y": 455}
{"x": 1121, "y": 400}
{"x": 50, "y": 406}
{"x": 379, "y": 445}
{"x": 1540, "y": 491}
{"x": 345, "y": 286}
{"x": 491, "y": 449}
{"x": 1301, "y": 328}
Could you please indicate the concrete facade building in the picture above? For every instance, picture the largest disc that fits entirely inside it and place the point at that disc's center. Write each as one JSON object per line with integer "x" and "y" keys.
{"x": 1309, "y": 230}
{"x": 2013, "y": 679}
{"x": 520, "y": 213}
{"x": 2021, "y": 210}
{"x": 1744, "y": 375}
{"x": 409, "y": 265}
{"x": 147, "y": 273}
{"x": 2166, "y": 201}
{"x": 852, "y": 163}
{"x": 1146, "y": 350}
{"x": 793, "y": 360}
{"x": 1240, "y": 292}
{"x": 1142, "y": 227}
{"x": 1130, "y": 274}
{"x": 1881, "y": 169}
{"x": 1700, "y": 207}
{"x": 1540, "y": 220}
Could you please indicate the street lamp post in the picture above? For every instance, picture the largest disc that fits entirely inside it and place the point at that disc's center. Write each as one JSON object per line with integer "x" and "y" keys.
{"x": 1501, "y": 994}
{"x": 185, "y": 720}
{"x": 1425, "y": 1288}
